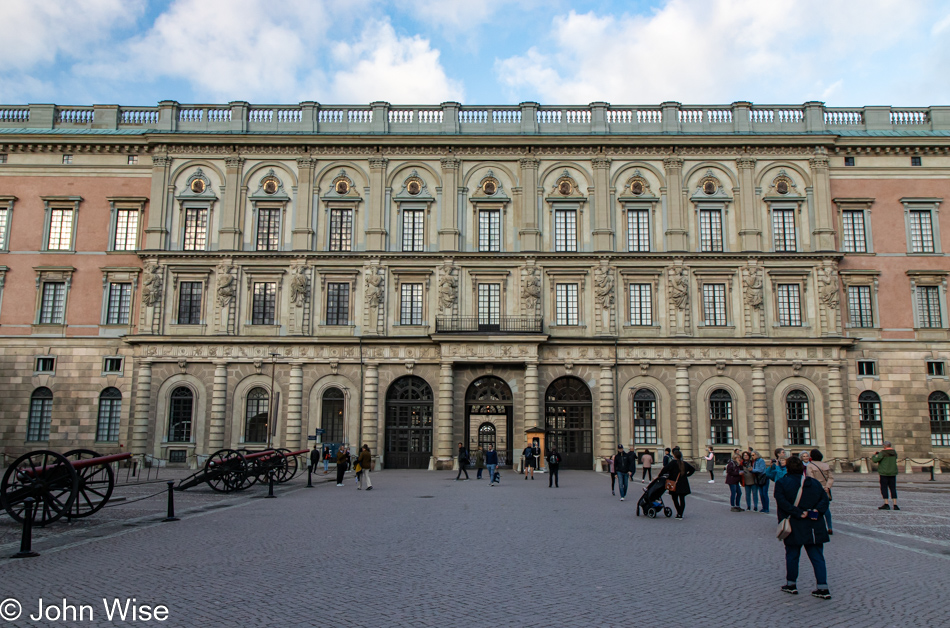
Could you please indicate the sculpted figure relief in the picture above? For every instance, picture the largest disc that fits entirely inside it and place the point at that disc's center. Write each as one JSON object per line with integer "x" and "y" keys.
{"x": 225, "y": 284}
{"x": 753, "y": 288}
{"x": 828, "y": 287}
{"x": 299, "y": 286}
{"x": 152, "y": 285}
{"x": 603, "y": 287}
{"x": 448, "y": 289}
{"x": 374, "y": 289}
{"x": 679, "y": 288}
{"x": 531, "y": 291}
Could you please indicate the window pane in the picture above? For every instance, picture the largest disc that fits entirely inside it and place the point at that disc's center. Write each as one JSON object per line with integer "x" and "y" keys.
{"x": 411, "y": 304}
{"x": 53, "y": 305}
{"x": 3, "y": 228}
{"x": 783, "y": 229}
{"x": 489, "y": 230}
{"x": 565, "y": 230}
{"x": 566, "y": 304}
{"x": 110, "y": 412}
{"x": 341, "y": 229}
{"x": 60, "y": 229}
{"x": 126, "y": 228}
{"x": 489, "y": 304}
{"x": 264, "y": 303}
{"x": 939, "y": 404}
{"x": 413, "y": 230}
{"x": 638, "y": 231}
{"x": 120, "y": 297}
{"x": 710, "y": 230}
{"x": 180, "y": 415}
{"x": 799, "y": 426}
{"x": 928, "y": 305}
{"x": 872, "y": 433}
{"x": 196, "y": 229}
{"x": 255, "y": 419}
{"x": 789, "y": 305}
{"x": 644, "y": 417}
{"x": 720, "y": 417}
{"x": 189, "y": 303}
{"x": 268, "y": 229}
{"x": 41, "y": 415}
{"x": 921, "y": 232}
{"x": 714, "y": 304}
{"x": 641, "y": 304}
{"x": 854, "y": 239}
{"x": 338, "y": 304}
{"x": 859, "y": 306}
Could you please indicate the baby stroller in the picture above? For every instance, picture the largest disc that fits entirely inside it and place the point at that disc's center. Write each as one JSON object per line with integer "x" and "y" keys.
{"x": 651, "y": 502}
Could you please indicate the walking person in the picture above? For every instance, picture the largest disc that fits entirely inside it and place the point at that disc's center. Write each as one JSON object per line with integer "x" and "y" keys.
{"x": 491, "y": 461}
{"x": 529, "y": 463}
{"x": 748, "y": 481}
{"x": 341, "y": 463}
{"x": 711, "y": 464}
{"x": 479, "y": 462}
{"x": 646, "y": 461}
{"x": 761, "y": 480}
{"x": 733, "y": 480}
{"x": 554, "y": 463}
{"x": 463, "y": 462}
{"x": 819, "y": 471}
{"x": 679, "y": 471}
{"x": 803, "y": 501}
{"x": 886, "y": 460}
{"x": 314, "y": 460}
{"x": 622, "y": 469}
{"x": 613, "y": 474}
{"x": 365, "y": 461}
{"x": 326, "y": 459}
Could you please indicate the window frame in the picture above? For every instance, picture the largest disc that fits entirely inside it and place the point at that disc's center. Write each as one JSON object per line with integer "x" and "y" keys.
{"x": 187, "y": 209}
{"x": 60, "y": 203}
{"x": 914, "y": 206}
{"x": 130, "y": 204}
{"x": 936, "y": 297}
{"x": 6, "y": 210}
{"x": 784, "y": 211}
{"x": 569, "y": 227}
{"x": 801, "y": 408}
{"x": 854, "y": 206}
{"x": 639, "y": 210}
{"x": 942, "y": 368}
{"x": 641, "y": 301}
{"x": 258, "y": 402}
{"x": 871, "y": 430}
{"x": 492, "y": 245}
{"x": 114, "y": 420}
{"x": 647, "y": 427}
{"x": 785, "y": 315}
{"x": 192, "y": 302}
{"x": 714, "y": 287}
{"x": 345, "y": 238}
{"x": 873, "y": 374}
{"x": 715, "y": 417}
{"x": 109, "y": 286}
{"x": 45, "y": 396}
{"x": 564, "y": 292}
{"x": 704, "y": 236}
{"x": 192, "y": 418}
{"x": 275, "y": 226}
{"x": 417, "y": 234}
{"x": 341, "y": 308}
{"x": 258, "y": 308}
{"x": 416, "y": 303}
{"x": 938, "y": 405}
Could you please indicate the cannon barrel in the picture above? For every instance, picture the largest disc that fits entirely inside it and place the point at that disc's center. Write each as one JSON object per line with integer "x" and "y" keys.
{"x": 81, "y": 464}
{"x": 259, "y": 454}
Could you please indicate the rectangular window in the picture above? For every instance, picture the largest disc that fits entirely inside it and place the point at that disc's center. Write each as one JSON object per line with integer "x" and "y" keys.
{"x": 565, "y": 230}
{"x": 67, "y": 159}
{"x": 489, "y": 304}
{"x": 4, "y": 216}
{"x": 189, "y": 303}
{"x": 641, "y": 304}
{"x": 859, "y": 306}
{"x": 126, "y": 229}
{"x": 3, "y": 158}
{"x": 872, "y": 429}
{"x": 41, "y": 415}
{"x": 45, "y": 365}
{"x": 714, "y": 304}
{"x": 410, "y": 305}
{"x": 53, "y": 305}
{"x": 565, "y": 304}
{"x": 338, "y": 304}
{"x": 789, "y": 305}
{"x": 341, "y": 229}
{"x": 176, "y": 456}
{"x": 60, "y": 230}
{"x": 915, "y": 161}
{"x": 849, "y": 161}
{"x": 264, "y": 303}
{"x": 413, "y": 229}
{"x": 783, "y": 230}
{"x": 196, "y": 229}
{"x": 120, "y": 298}
{"x": 710, "y": 230}
{"x": 867, "y": 368}
{"x": 110, "y": 413}
{"x": 638, "y": 231}
{"x": 133, "y": 160}
{"x": 489, "y": 230}
{"x": 112, "y": 365}
{"x": 936, "y": 369}
{"x": 921, "y": 232}
{"x": 268, "y": 229}
{"x": 928, "y": 305}
{"x": 853, "y": 240}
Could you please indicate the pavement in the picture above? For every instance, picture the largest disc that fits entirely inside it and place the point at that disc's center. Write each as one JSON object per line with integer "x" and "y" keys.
{"x": 421, "y": 549}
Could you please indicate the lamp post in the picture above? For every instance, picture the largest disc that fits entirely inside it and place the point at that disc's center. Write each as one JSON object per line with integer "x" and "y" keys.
{"x": 271, "y": 406}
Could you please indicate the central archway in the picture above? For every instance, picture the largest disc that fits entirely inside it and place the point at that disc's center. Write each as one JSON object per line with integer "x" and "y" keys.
{"x": 488, "y": 401}
{"x": 568, "y": 422}
{"x": 408, "y": 424}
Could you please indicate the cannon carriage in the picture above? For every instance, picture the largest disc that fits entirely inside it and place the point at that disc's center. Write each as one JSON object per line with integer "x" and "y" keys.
{"x": 230, "y": 470}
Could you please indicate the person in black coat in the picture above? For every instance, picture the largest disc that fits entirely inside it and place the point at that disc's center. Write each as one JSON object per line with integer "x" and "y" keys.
{"x": 554, "y": 463}
{"x": 808, "y": 525}
{"x": 622, "y": 469}
{"x": 679, "y": 471}
{"x": 463, "y": 462}
{"x": 314, "y": 459}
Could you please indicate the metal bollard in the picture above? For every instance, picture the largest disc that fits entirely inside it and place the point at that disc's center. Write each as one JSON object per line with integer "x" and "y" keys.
{"x": 270, "y": 484}
{"x": 309, "y": 476}
{"x": 932, "y": 472}
{"x": 170, "y": 516}
{"x": 26, "y": 541}
{"x": 135, "y": 464}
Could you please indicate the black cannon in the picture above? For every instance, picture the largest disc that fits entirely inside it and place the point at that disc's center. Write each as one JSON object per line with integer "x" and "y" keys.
{"x": 229, "y": 470}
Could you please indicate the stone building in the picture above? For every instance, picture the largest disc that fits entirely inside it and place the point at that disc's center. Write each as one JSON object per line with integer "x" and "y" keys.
{"x": 180, "y": 279}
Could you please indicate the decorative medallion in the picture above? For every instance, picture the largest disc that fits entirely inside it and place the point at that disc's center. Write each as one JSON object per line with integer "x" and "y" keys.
{"x": 636, "y": 188}
{"x": 709, "y": 187}
{"x": 564, "y": 187}
{"x": 783, "y": 184}
{"x": 489, "y": 187}
{"x": 414, "y": 187}
{"x": 198, "y": 186}
{"x": 782, "y": 187}
{"x": 342, "y": 186}
{"x": 270, "y": 185}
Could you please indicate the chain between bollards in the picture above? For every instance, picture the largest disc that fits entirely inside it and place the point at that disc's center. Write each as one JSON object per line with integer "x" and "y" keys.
{"x": 26, "y": 541}
{"x": 270, "y": 484}
{"x": 170, "y": 516}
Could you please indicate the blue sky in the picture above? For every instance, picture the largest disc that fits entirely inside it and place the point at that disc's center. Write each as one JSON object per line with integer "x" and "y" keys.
{"x": 137, "y": 52}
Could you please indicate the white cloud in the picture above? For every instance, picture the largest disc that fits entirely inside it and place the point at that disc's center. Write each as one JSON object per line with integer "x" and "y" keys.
{"x": 713, "y": 51}
{"x": 461, "y": 14}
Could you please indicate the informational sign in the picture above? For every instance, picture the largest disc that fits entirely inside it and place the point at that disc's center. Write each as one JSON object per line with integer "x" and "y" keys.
{"x": 311, "y": 438}
{"x": 319, "y": 431}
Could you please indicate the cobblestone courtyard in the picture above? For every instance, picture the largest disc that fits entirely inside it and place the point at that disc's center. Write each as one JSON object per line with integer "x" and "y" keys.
{"x": 422, "y": 549}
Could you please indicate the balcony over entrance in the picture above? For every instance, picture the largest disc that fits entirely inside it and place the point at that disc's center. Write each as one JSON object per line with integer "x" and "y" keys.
{"x": 493, "y": 325}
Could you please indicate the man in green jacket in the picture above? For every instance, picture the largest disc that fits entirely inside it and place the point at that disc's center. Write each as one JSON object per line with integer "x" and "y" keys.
{"x": 886, "y": 460}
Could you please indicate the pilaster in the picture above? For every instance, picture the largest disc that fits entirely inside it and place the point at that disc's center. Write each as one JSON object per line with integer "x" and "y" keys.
{"x": 529, "y": 233}
{"x": 370, "y": 433}
{"x": 295, "y": 407}
{"x": 229, "y": 238}
{"x": 603, "y": 230}
{"x": 449, "y": 233}
{"x": 445, "y": 417}
{"x": 676, "y": 232}
{"x": 838, "y": 446}
{"x": 750, "y": 227}
{"x": 608, "y": 427}
{"x": 824, "y": 232}
{"x": 143, "y": 406}
{"x": 302, "y": 236}
{"x": 532, "y": 407}
{"x": 219, "y": 403}
{"x": 760, "y": 411}
{"x": 376, "y": 234}
{"x": 156, "y": 233}
{"x": 684, "y": 419}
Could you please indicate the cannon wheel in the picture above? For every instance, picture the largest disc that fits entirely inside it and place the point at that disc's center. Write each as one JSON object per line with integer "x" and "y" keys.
{"x": 95, "y": 485}
{"x": 250, "y": 477}
{"x": 47, "y": 477}
{"x": 235, "y": 470}
{"x": 288, "y": 469}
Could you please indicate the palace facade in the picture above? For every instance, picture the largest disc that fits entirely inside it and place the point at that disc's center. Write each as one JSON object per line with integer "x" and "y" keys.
{"x": 182, "y": 278}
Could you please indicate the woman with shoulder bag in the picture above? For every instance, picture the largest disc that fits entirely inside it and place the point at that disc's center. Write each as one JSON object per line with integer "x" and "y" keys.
{"x": 761, "y": 480}
{"x": 801, "y": 501}
{"x": 678, "y": 472}
{"x": 819, "y": 470}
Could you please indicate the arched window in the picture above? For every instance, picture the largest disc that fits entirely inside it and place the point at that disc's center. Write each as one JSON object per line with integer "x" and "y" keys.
{"x": 644, "y": 417}
{"x": 180, "y": 413}
{"x": 568, "y": 421}
{"x": 720, "y": 417}
{"x": 255, "y": 416}
{"x": 110, "y": 411}
{"x": 408, "y": 423}
{"x": 41, "y": 414}
{"x": 872, "y": 430}
{"x": 334, "y": 404}
{"x": 486, "y": 435}
{"x": 939, "y": 404}
{"x": 796, "y": 413}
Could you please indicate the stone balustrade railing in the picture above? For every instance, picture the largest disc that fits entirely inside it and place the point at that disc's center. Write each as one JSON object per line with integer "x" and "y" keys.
{"x": 528, "y": 118}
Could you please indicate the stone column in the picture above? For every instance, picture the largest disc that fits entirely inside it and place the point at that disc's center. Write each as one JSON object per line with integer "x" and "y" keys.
{"x": 143, "y": 404}
{"x": 760, "y": 412}
{"x": 370, "y": 431}
{"x": 219, "y": 405}
{"x": 294, "y": 407}
{"x": 750, "y": 229}
{"x": 684, "y": 418}
{"x": 532, "y": 402}
{"x": 449, "y": 233}
{"x": 302, "y": 236}
{"x": 375, "y": 233}
{"x": 229, "y": 238}
{"x": 603, "y": 229}
{"x": 156, "y": 232}
{"x": 838, "y": 415}
{"x": 530, "y": 233}
{"x": 676, "y": 230}
{"x": 608, "y": 418}
{"x": 445, "y": 418}
{"x": 823, "y": 229}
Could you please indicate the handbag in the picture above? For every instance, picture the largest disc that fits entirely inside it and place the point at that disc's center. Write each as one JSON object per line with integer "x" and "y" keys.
{"x": 357, "y": 468}
{"x": 671, "y": 484}
{"x": 761, "y": 479}
{"x": 785, "y": 525}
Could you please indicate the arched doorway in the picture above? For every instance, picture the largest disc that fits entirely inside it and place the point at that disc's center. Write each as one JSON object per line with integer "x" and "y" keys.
{"x": 408, "y": 424}
{"x": 488, "y": 401}
{"x": 568, "y": 422}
